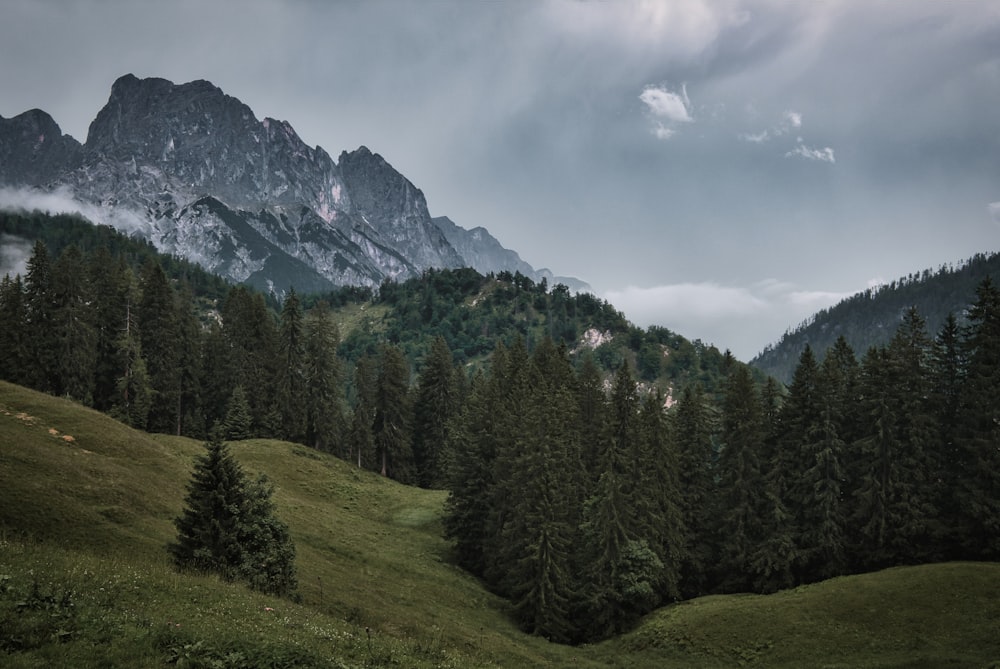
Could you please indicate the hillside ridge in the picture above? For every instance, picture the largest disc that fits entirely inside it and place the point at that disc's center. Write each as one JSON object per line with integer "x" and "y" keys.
{"x": 870, "y": 318}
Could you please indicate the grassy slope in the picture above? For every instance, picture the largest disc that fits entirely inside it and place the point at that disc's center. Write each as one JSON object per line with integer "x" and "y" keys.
{"x": 87, "y": 520}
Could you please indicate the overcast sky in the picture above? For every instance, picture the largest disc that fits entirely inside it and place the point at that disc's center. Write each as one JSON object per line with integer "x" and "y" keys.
{"x": 723, "y": 169}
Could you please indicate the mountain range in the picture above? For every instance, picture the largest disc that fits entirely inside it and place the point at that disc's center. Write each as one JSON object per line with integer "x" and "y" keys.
{"x": 195, "y": 172}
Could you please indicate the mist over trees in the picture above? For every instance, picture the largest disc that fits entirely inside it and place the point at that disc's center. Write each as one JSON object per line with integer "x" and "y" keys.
{"x": 580, "y": 488}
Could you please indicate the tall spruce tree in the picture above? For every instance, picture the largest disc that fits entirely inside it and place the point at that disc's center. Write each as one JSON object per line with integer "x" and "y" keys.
{"x": 436, "y": 404}
{"x": 190, "y": 412}
{"x": 361, "y": 439}
{"x": 741, "y": 490}
{"x": 823, "y": 544}
{"x": 540, "y": 536}
{"x": 323, "y": 376}
{"x": 116, "y": 291}
{"x": 658, "y": 481}
{"x": 40, "y": 306}
{"x": 218, "y": 374}
{"x": 814, "y": 467}
{"x": 75, "y": 334}
{"x": 470, "y": 475}
{"x": 918, "y": 451}
{"x": 133, "y": 393}
{"x": 893, "y": 505}
{"x": 947, "y": 381}
{"x": 251, "y": 340}
{"x": 15, "y": 339}
{"x": 592, "y": 406}
{"x": 159, "y": 330}
{"x": 624, "y": 572}
{"x": 979, "y": 433}
{"x": 290, "y": 389}
{"x": 238, "y": 424}
{"x": 692, "y": 432}
{"x": 391, "y": 428}
{"x": 511, "y": 395}
{"x": 876, "y": 450}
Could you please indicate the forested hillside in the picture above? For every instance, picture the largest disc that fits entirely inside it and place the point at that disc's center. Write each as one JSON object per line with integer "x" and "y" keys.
{"x": 870, "y": 318}
{"x": 589, "y": 509}
{"x": 164, "y": 346}
{"x": 587, "y": 499}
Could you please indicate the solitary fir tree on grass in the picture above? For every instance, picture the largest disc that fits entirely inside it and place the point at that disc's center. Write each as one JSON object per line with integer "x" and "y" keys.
{"x": 228, "y": 526}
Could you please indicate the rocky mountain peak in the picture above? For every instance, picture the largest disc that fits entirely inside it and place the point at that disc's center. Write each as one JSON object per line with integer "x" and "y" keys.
{"x": 33, "y": 149}
{"x": 195, "y": 171}
{"x": 390, "y": 202}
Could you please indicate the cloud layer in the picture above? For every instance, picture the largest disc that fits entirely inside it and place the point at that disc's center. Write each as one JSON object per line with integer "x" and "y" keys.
{"x": 713, "y": 312}
{"x": 697, "y": 143}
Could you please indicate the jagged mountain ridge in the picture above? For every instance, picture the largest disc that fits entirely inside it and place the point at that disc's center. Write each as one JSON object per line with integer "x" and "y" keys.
{"x": 194, "y": 171}
{"x": 483, "y": 252}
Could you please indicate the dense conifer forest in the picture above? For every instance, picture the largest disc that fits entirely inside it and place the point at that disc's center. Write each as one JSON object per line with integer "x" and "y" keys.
{"x": 870, "y": 318}
{"x": 574, "y": 492}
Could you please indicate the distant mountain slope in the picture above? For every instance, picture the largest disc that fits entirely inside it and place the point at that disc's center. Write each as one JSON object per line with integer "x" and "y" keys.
{"x": 194, "y": 171}
{"x": 486, "y": 255}
{"x": 870, "y": 318}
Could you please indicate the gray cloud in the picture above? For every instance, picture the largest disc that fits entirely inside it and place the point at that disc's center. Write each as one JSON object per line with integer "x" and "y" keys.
{"x": 710, "y": 311}
{"x": 62, "y": 201}
{"x": 528, "y": 118}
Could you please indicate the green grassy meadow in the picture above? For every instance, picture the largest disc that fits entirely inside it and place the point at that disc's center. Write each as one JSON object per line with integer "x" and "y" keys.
{"x": 86, "y": 509}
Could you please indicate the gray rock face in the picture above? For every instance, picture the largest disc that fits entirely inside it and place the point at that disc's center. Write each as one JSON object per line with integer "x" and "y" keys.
{"x": 205, "y": 141}
{"x": 193, "y": 170}
{"x": 481, "y": 250}
{"x": 396, "y": 209}
{"x": 33, "y": 150}
{"x": 484, "y": 253}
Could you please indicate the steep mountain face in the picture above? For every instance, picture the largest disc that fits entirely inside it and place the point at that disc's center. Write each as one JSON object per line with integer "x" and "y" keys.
{"x": 396, "y": 209}
{"x": 481, "y": 249}
{"x": 194, "y": 171}
{"x": 483, "y": 252}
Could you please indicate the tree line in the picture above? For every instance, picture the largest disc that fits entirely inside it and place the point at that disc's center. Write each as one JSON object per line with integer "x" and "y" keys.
{"x": 578, "y": 497}
{"x": 589, "y": 507}
{"x": 140, "y": 346}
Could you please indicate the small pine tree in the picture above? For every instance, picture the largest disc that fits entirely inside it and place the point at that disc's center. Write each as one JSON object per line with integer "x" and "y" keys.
{"x": 228, "y": 526}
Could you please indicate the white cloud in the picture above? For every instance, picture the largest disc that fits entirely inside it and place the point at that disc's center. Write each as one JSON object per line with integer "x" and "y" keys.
{"x": 994, "y": 209}
{"x": 663, "y": 132}
{"x": 756, "y": 138}
{"x": 792, "y": 119}
{"x": 824, "y": 155}
{"x": 666, "y": 104}
{"x": 668, "y": 108}
{"x": 742, "y": 319}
